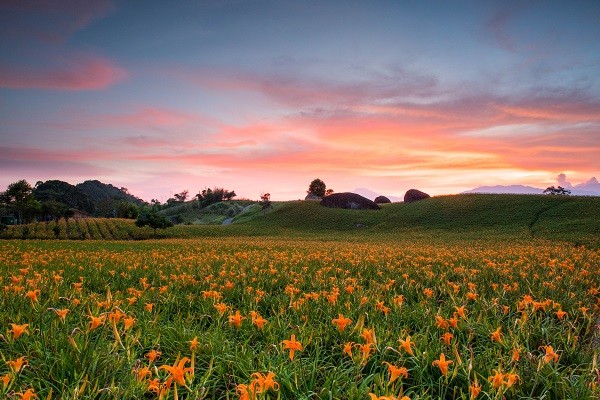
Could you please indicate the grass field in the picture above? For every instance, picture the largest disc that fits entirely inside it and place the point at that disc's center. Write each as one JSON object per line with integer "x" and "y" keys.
{"x": 472, "y": 302}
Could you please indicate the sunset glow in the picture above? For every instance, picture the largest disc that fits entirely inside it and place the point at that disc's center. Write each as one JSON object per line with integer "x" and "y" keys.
{"x": 266, "y": 96}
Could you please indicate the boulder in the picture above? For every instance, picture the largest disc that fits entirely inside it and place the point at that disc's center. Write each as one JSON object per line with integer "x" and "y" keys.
{"x": 415, "y": 195}
{"x": 381, "y": 200}
{"x": 312, "y": 197}
{"x": 351, "y": 201}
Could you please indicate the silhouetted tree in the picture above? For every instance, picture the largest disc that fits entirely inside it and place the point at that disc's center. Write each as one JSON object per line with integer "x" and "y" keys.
{"x": 317, "y": 187}
{"x": 265, "y": 201}
{"x": 181, "y": 197}
{"x": 18, "y": 198}
{"x": 328, "y": 192}
{"x": 210, "y": 196}
{"x": 557, "y": 191}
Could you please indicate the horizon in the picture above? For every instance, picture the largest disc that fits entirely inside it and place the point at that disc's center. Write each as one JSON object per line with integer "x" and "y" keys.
{"x": 265, "y": 97}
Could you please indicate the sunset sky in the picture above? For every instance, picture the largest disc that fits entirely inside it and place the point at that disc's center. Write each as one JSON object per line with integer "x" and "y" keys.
{"x": 264, "y": 96}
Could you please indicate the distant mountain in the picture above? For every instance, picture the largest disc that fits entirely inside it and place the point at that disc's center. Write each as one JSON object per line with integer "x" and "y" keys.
{"x": 371, "y": 195}
{"x": 589, "y": 188}
{"x": 515, "y": 189}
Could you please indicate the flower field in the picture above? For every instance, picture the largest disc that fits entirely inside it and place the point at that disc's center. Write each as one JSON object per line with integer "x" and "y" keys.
{"x": 266, "y": 318}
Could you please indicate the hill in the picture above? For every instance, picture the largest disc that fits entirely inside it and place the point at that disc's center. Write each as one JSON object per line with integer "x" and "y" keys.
{"x": 445, "y": 218}
{"x": 100, "y": 192}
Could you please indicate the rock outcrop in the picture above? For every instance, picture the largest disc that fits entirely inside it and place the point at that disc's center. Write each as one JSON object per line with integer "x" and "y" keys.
{"x": 415, "y": 195}
{"x": 312, "y": 197}
{"x": 381, "y": 200}
{"x": 348, "y": 200}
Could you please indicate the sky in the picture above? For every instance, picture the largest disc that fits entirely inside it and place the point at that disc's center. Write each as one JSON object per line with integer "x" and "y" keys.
{"x": 265, "y": 96}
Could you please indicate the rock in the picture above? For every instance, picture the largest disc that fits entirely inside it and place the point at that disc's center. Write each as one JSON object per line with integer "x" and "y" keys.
{"x": 351, "y": 201}
{"x": 415, "y": 195}
{"x": 312, "y": 197}
{"x": 381, "y": 200}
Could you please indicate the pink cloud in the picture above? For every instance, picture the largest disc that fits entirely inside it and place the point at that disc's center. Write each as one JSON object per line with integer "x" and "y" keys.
{"x": 82, "y": 72}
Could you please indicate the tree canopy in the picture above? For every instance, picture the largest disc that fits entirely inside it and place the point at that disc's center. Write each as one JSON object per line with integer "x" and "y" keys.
{"x": 317, "y": 187}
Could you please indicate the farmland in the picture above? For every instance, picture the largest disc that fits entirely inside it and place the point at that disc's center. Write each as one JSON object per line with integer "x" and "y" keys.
{"x": 277, "y": 307}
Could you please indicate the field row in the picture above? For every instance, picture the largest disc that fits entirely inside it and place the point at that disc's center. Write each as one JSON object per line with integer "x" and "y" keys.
{"x": 81, "y": 229}
{"x": 264, "y": 318}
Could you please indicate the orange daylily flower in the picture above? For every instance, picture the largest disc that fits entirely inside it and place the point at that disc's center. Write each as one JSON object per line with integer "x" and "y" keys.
{"x": 407, "y": 345}
{"x": 18, "y": 330}
{"x": 369, "y": 335}
{"x": 292, "y": 345}
{"x": 516, "y": 355}
{"x": 257, "y": 319}
{"x": 460, "y": 311}
{"x": 62, "y": 313}
{"x": 496, "y": 336}
{"x": 149, "y": 307}
{"x": 194, "y": 343}
{"x": 348, "y": 348}
{"x": 443, "y": 364}
{"x": 142, "y": 372}
{"x": 341, "y": 322}
{"x": 560, "y": 314}
{"x": 472, "y": 296}
{"x": 33, "y": 295}
{"x": 396, "y": 372}
{"x": 447, "y": 338}
{"x": 441, "y": 323}
{"x": 18, "y": 364}
{"x": 511, "y": 379}
{"x": 262, "y": 383}
{"x": 246, "y": 392}
{"x": 497, "y": 379}
{"x": 177, "y": 371}
{"x": 5, "y": 380}
{"x": 550, "y": 354}
{"x": 236, "y": 319}
{"x": 29, "y": 394}
{"x": 152, "y": 355}
{"x": 373, "y": 396}
{"x": 96, "y": 322}
{"x": 129, "y": 322}
{"x": 475, "y": 389}
{"x": 365, "y": 350}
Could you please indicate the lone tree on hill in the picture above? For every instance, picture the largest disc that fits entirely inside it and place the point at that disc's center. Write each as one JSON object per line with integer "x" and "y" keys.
{"x": 317, "y": 187}
{"x": 557, "y": 191}
{"x": 265, "y": 201}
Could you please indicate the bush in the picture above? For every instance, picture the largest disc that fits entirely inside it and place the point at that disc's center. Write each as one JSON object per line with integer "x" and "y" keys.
{"x": 153, "y": 219}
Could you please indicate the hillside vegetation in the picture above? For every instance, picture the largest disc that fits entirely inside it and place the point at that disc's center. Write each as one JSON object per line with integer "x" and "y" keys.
{"x": 462, "y": 216}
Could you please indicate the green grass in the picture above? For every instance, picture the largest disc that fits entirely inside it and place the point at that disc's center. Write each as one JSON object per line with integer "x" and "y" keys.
{"x": 569, "y": 218}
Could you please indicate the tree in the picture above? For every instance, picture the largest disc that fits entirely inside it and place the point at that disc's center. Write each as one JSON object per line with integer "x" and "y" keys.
{"x": 210, "y": 196}
{"x": 181, "y": 197}
{"x": 265, "y": 201}
{"x": 328, "y": 192}
{"x": 557, "y": 191}
{"x": 19, "y": 199}
{"x": 54, "y": 210}
{"x": 153, "y": 219}
{"x": 317, "y": 187}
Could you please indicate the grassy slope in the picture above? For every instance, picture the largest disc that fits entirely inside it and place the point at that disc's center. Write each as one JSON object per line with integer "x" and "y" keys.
{"x": 552, "y": 217}
{"x": 473, "y": 216}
